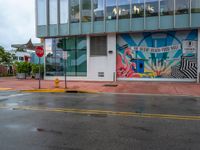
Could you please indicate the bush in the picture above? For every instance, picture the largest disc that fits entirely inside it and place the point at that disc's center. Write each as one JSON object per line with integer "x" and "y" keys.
{"x": 35, "y": 68}
{"x": 23, "y": 67}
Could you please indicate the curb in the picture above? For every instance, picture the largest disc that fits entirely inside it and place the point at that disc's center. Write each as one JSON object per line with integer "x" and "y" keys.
{"x": 6, "y": 89}
{"x": 58, "y": 91}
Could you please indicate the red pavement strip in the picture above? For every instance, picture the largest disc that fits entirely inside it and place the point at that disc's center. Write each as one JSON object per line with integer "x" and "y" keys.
{"x": 163, "y": 88}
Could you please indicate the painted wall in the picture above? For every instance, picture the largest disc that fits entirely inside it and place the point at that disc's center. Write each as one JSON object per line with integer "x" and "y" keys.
{"x": 105, "y": 64}
{"x": 157, "y": 55}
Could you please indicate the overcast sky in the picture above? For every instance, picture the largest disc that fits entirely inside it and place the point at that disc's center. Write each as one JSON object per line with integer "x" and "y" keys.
{"x": 17, "y": 22}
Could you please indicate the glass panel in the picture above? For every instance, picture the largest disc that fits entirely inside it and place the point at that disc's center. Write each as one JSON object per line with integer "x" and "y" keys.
{"x": 182, "y": 6}
{"x": 71, "y": 63}
{"x": 111, "y": 9}
{"x": 81, "y": 62}
{"x": 86, "y": 10}
{"x": 151, "y": 8}
{"x": 98, "y": 10}
{"x": 137, "y": 8}
{"x": 124, "y": 9}
{"x": 53, "y": 11}
{"x": 41, "y": 12}
{"x": 166, "y": 7}
{"x": 195, "y": 6}
{"x": 64, "y": 8}
{"x": 75, "y": 17}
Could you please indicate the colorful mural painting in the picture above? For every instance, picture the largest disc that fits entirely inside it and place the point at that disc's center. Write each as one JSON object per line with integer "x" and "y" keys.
{"x": 171, "y": 54}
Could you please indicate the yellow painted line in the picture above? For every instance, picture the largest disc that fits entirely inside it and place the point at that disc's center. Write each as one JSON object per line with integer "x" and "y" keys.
{"x": 57, "y": 91}
{"x": 5, "y": 89}
{"x": 104, "y": 112}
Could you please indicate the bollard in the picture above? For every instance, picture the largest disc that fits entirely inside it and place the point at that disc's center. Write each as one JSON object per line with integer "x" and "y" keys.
{"x": 56, "y": 83}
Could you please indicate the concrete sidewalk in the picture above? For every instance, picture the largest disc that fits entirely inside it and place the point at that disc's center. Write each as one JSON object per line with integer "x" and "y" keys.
{"x": 167, "y": 88}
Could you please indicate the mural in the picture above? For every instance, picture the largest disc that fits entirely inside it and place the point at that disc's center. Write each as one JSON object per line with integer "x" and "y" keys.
{"x": 171, "y": 54}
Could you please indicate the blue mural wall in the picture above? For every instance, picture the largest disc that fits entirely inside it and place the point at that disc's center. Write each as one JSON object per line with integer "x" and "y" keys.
{"x": 171, "y": 54}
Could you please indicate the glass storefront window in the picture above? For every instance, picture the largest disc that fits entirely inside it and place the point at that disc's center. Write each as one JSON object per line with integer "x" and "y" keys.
{"x": 54, "y": 58}
{"x": 86, "y": 10}
{"x": 64, "y": 8}
{"x": 74, "y": 11}
{"x": 166, "y": 7}
{"x": 195, "y": 6}
{"x": 98, "y": 6}
{"x": 76, "y": 50}
{"x": 182, "y": 6}
{"x": 41, "y": 12}
{"x": 111, "y": 9}
{"x": 151, "y": 8}
{"x": 53, "y": 11}
{"x": 137, "y": 8}
{"x": 124, "y": 9}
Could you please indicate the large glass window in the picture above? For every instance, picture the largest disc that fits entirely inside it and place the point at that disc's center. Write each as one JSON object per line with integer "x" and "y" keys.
{"x": 124, "y": 9}
{"x": 41, "y": 12}
{"x": 151, "y": 8}
{"x": 64, "y": 8}
{"x": 86, "y": 10}
{"x": 53, "y": 11}
{"x": 98, "y": 10}
{"x": 195, "y": 6}
{"x": 111, "y": 9}
{"x": 182, "y": 6}
{"x": 137, "y": 8}
{"x": 75, "y": 49}
{"x": 166, "y": 7}
{"x": 54, "y": 58}
{"x": 74, "y": 7}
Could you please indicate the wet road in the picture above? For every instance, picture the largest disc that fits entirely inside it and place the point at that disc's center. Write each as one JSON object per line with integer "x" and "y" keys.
{"x": 98, "y": 122}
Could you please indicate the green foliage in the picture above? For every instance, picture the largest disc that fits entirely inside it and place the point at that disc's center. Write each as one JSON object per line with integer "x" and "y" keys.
{"x": 35, "y": 68}
{"x": 5, "y": 57}
{"x": 23, "y": 67}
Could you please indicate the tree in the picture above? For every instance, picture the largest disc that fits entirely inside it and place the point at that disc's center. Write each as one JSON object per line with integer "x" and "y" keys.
{"x": 6, "y": 58}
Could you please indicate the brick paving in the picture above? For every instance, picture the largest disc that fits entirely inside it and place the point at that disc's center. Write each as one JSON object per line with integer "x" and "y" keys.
{"x": 169, "y": 88}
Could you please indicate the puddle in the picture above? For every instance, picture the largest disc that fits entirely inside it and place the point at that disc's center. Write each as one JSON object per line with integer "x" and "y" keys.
{"x": 48, "y": 131}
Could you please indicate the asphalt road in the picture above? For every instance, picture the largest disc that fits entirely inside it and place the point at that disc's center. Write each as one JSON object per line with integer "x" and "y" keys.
{"x": 98, "y": 122}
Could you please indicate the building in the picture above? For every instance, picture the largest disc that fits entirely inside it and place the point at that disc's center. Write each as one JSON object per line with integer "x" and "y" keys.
{"x": 108, "y": 40}
{"x": 27, "y": 53}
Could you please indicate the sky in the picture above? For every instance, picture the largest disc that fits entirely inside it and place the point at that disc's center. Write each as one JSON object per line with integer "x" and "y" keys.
{"x": 17, "y": 22}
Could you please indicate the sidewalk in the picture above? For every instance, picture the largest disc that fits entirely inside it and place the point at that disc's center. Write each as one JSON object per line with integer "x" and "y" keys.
{"x": 167, "y": 88}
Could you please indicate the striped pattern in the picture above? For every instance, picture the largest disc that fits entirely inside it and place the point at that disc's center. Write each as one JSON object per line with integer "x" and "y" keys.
{"x": 189, "y": 67}
{"x": 176, "y": 73}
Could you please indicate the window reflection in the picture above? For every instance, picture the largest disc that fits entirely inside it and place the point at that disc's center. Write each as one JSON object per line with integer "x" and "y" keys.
{"x": 41, "y": 12}
{"x": 111, "y": 9}
{"x": 182, "y": 6}
{"x": 151, "y": 8}
{"x": 98, "y": 10}
{"x": 64, "y": 11}
{"x": 124, "y": 9}
{"x": 166, "y": 7}
{"x": 195, "y": 6}
{"x": 53, "y": 11}
{"x": 86, "y": 10}
{"x": 137, "y": 8}
{"x": 74, "y": 7}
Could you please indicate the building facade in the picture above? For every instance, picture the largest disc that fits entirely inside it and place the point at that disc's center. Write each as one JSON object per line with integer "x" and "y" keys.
{"x": 108, "y": 40}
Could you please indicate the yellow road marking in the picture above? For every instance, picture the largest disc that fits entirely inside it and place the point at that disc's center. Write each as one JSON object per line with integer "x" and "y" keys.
{"x": 104, "y": 112}
{"x": 5, "y": 89}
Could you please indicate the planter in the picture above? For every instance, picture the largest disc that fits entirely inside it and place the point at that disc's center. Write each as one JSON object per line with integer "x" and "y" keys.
{"x": 21, "y": 75}
{"x": 37, "y": 76}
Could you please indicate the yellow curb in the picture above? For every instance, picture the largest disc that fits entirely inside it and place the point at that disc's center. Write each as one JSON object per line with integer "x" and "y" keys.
{"x": 44, "y": 91}
{"x": 57, "y": 91}
{"x": 5, "y": 89}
